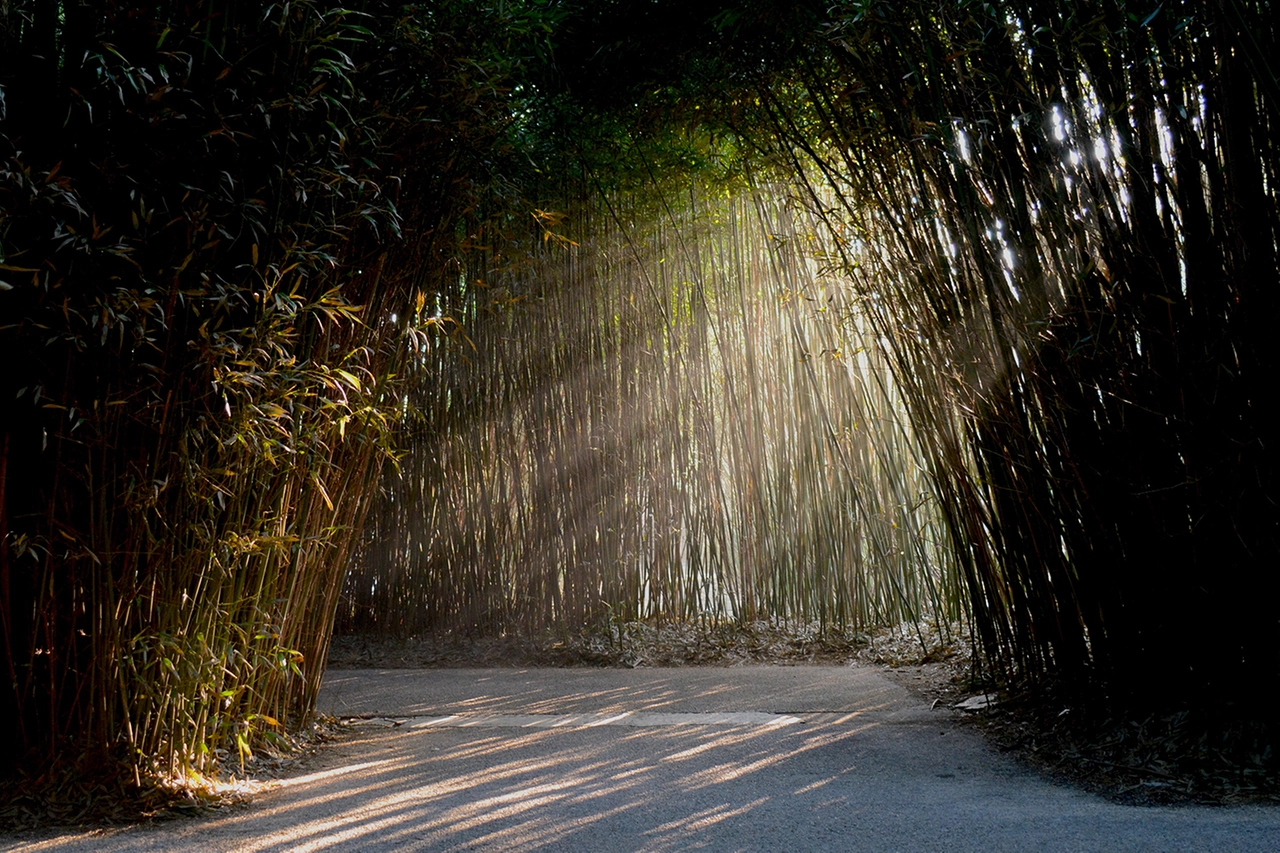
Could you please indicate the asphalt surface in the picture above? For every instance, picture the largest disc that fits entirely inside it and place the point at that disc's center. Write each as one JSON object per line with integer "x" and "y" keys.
{"x": 710, "y": 759}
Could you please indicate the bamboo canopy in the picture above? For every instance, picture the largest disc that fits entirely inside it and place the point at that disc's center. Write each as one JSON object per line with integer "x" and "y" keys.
{"x": 481, "y": 319}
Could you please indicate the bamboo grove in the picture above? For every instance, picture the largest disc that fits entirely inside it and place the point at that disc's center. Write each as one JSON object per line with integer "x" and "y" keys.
{"x": 698, "y": 429}
{"x": 1069, "y": 216}
{"x": 206, "y": 213}
{"x": 533, "y": 316}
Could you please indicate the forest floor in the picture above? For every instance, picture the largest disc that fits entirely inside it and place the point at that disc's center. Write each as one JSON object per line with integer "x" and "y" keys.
{"x": 1149, "y": 759}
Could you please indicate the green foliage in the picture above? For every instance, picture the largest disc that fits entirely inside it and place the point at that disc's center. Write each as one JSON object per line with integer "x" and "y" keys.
{"x": 1069, "y": 217}
{"x": 251, "y": 252}
{"x": 207, "y": 215}
{"x": 1062, "y": 222}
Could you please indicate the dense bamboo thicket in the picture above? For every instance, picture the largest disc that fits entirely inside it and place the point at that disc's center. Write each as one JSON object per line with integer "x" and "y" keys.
{"x": 1064, "y": 220}
{"x": 670, "y": 413}
{"x": 206, "y": 212}
{"x": 1059, "y": 227}
{"x": 545, "y": 315}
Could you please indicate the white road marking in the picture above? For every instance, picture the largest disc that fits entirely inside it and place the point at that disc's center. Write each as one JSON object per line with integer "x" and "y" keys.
{"x": 586, "y": 721}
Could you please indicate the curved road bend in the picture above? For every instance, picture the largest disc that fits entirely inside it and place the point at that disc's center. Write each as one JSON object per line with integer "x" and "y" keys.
{"x": 709, "y": 759}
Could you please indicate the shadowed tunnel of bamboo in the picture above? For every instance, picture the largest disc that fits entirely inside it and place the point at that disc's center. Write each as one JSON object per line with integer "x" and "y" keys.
{"x": 534, "y": 317}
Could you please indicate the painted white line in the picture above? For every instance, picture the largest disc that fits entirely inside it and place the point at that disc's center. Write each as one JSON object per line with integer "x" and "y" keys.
{"x": 586, "y": 721}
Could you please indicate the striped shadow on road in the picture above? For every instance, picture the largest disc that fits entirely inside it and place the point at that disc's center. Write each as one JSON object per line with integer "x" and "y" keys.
{"x": 587, "y": 721}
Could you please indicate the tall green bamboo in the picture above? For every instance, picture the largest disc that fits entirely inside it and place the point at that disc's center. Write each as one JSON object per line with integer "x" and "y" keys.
{"x": 202, "y": 256}
{"x": 1064, "y": 221}
{"x": 670, "y": 414}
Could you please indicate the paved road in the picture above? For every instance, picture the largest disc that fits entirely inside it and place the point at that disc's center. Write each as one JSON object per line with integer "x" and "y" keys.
{"x": 711, "y": 759}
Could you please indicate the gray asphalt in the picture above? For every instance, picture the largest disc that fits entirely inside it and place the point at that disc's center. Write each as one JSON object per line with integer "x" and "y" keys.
{"x": 708, "y": 759}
